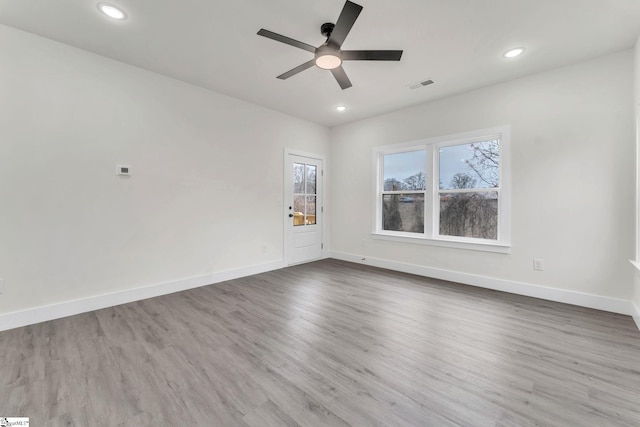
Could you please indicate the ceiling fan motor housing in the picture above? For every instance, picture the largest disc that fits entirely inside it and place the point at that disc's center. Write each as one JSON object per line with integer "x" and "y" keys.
{"x": 326, "y": 29}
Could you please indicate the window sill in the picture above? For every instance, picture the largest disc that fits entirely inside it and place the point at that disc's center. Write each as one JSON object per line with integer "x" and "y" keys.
{"x": 500, "y": 248}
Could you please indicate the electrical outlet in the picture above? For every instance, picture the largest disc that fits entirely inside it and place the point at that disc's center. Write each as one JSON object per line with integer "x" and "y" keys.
{"x": 364, "y": 243}
{"x": 538, "y": 264}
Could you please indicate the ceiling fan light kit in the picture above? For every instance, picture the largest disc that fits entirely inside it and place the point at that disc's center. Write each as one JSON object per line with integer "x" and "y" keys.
{"x": 330, "y": 56}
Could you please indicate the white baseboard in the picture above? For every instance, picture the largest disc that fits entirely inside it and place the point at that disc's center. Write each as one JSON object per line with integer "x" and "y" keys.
{"x": 34, "y": 315}
{"x": 614, "y": 305}
{"x": 636, "y": 315}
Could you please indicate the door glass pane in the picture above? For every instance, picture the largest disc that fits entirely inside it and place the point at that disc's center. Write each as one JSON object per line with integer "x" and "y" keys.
{"x": 405, "y": 171}
{"x": 403, "y": 212}
{"x": 311, "y": 210}
{"x": 469, "y": 214}
{"x": 473, "y": 165}
{"x": 311, "y": 178}
{"x": 298, "y": 178}
{"x": 298, "y": 210}
{"x": 304, "y": 189}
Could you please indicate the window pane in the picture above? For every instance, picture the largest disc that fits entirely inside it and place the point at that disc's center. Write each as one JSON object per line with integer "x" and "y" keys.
{"x": 473, "y": 165}
{"x": 311, "y": 210}
{"x": 469, "y": 214}
{"x": 298, "y": 210}
{"x": 311, "y": 178}
{"x": 403, "y": 212}
{"x": 298, "y": 178}
{"x": 405, "y": 171}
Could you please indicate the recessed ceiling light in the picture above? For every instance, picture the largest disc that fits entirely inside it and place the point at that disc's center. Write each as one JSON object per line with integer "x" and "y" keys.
{"x": 512, "y": 53}
{"x": 112, "y": 11}
{"x": 341, "y": 108}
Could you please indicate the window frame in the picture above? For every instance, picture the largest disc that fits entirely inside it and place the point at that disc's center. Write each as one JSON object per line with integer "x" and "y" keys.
{"x": 431, "y": 235}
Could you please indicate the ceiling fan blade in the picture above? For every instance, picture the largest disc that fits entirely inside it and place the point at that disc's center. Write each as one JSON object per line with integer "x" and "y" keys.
{"x": 287, "y": 40}
{"x": 347, "y": 18}
{"x": 371, "y": 55}
{"x": 296, "y": 70}
{"x": 341, "y": 77}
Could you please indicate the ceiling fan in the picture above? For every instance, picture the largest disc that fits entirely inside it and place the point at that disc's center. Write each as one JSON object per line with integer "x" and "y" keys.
{"x": 329, "y": 56}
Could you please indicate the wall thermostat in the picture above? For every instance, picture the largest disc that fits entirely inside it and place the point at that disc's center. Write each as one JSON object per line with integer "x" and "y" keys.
{"x": 123, "y": 170}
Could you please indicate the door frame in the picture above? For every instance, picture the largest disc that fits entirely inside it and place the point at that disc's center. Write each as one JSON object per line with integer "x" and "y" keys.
{"x": 287, "y": 191}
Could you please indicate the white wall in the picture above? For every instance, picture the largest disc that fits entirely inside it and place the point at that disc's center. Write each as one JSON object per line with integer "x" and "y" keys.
{"x": 572, "y": 178}
{"x": 205, "y": 195}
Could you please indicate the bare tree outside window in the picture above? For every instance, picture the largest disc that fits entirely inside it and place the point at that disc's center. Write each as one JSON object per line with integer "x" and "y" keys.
{"x": 485, "y": 162}
{"x": 415, "y": 182}
{"x": 472, "y": 213}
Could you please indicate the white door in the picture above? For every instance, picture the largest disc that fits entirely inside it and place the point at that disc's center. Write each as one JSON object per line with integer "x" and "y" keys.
{"x": 303, "y": 208}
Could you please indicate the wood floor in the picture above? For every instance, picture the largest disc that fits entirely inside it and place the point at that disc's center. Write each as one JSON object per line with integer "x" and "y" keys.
{"x": 326, "y": 344}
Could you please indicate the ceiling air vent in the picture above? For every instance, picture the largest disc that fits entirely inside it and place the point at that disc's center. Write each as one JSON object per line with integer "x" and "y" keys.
{"x": 420, "y": 84}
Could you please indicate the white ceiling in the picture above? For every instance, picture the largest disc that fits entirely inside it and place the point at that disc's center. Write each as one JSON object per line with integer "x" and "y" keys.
{"x": 457, "y": 43}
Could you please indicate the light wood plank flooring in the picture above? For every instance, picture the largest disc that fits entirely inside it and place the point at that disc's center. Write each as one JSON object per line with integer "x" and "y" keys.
{"x": 326, "y": 344}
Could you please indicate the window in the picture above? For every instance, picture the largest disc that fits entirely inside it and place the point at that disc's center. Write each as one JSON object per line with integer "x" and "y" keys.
{"x": 449, "y": 191}
{"x": 469, "y": 188}
{"x": 404, "y": 190}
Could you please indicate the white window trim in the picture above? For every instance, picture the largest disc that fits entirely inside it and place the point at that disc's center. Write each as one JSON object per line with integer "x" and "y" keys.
{"x": 501, "y": 245}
